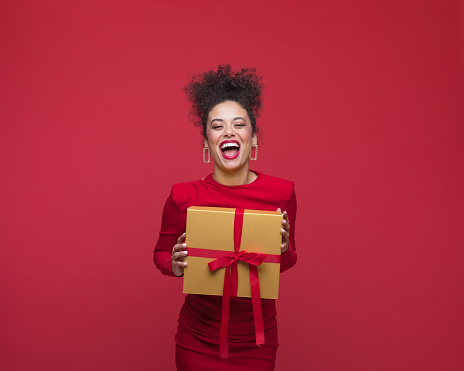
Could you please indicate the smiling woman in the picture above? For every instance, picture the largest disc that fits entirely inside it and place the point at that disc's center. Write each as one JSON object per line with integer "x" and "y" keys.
{"x": 225, "y": 104}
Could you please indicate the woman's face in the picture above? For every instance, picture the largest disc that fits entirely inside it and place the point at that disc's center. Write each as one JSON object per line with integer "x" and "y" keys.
{"x": 230, "y": 136}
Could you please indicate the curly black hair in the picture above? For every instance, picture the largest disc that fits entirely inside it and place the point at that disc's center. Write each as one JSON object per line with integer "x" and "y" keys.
{"x": 206, "y": 90}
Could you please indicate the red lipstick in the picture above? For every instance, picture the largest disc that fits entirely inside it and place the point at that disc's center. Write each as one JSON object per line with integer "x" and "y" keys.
{"x": 232, "y": 147}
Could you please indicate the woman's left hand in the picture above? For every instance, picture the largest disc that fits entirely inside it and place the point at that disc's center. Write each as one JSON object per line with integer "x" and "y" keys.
{"x": 285, "y": 231}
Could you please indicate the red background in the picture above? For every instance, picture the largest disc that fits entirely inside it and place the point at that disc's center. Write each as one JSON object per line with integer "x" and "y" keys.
{"x": 363, "y": 109}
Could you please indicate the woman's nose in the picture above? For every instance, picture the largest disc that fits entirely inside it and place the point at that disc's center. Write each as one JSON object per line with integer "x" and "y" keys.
{"x": 229, "y": 130}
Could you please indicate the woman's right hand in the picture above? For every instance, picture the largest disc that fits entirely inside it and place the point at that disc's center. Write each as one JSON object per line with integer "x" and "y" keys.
{"x": 178, "y": 256}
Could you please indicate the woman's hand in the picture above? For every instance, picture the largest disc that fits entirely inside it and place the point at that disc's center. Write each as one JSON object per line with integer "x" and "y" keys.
{"x": 178, "y": 256}
{"x": 285, "y": 232}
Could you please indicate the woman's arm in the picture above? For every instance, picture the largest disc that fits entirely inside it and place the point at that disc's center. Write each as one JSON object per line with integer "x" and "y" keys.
{"x": 289, "y": 257}
{"x": 172, "y": 227}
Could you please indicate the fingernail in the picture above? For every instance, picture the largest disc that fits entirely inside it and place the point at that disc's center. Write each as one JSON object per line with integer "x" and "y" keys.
{"x": 285, "y": 222}
{"x": 183, "y": 234}
{"x": 282, "y": 230}
{"x": 185, "y": 264}
{"x": 184, "y": 245}
{"x": 185, "y": 252}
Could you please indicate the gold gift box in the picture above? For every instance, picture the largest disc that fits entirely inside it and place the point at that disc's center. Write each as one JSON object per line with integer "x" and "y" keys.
{"x": 212, "y": 228}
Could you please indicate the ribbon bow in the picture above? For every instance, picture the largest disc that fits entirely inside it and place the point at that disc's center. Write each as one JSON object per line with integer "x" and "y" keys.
{"x": 244, "y": 256}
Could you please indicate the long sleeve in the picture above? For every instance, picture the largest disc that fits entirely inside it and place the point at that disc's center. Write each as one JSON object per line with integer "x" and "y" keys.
{"x": 289, "y": 257}
{"x": 172, "y": 227}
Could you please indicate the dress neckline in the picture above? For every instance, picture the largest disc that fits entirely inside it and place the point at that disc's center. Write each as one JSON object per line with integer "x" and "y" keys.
{"x": 209, "y": 178}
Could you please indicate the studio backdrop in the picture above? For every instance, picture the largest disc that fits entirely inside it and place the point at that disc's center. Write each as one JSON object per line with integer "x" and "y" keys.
{"x": 363, "y": 110}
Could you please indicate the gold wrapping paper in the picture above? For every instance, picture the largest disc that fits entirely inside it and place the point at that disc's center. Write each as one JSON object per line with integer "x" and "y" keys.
{"x": 212, "y": 228}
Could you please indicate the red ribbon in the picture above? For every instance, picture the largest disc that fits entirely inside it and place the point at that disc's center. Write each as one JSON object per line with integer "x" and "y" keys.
{"x": 228, "y": 260}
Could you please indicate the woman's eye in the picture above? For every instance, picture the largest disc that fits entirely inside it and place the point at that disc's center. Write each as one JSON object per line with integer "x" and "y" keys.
{"x": 240, "y": 124}
{"x": 217, "y": 127}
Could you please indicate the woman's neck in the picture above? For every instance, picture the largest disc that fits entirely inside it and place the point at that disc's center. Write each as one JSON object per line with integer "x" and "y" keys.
{"x": 232, "y": 178}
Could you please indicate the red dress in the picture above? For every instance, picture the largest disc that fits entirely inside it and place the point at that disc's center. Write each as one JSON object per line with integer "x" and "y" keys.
{"x": 197, "y": 337}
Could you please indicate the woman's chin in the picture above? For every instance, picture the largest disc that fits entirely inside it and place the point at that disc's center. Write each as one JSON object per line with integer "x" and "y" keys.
{"x": 231, "y": 165}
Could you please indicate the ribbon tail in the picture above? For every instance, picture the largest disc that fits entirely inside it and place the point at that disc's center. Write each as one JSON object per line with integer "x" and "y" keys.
{"x": 233, "y": 279}
{"x": 223, "y": 348}
{"x": 256, "y": 302}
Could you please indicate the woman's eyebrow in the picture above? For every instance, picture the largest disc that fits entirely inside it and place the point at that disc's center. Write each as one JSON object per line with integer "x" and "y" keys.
{"x": 221, "y": 120}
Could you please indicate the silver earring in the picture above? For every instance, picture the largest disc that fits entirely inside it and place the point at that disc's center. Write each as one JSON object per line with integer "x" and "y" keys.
{"x": 206, "y": 154}
{"x": 256, "y": 152}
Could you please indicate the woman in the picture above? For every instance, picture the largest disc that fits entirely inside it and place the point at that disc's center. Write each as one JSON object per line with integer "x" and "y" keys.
{"x": 225, "y": 105}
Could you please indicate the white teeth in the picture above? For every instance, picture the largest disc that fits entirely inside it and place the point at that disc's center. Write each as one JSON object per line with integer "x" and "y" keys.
{"x": 227, "y": 145}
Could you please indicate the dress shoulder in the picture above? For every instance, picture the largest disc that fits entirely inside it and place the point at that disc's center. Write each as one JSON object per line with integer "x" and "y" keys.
{"x": 182, "y": 193}
{"x": 282, "y": 187}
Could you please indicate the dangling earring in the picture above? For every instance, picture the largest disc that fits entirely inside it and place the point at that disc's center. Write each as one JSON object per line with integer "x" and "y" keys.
{"x": 206, "y": 151}
{"x": 256, "y": 152}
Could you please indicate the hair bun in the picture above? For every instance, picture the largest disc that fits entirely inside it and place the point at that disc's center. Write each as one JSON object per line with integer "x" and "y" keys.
{"x": 207, "y": 89}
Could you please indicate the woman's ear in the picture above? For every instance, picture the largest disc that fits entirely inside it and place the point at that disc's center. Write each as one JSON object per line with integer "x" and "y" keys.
{"x": 254, "y": 140}
{"x": 206, "y": 143}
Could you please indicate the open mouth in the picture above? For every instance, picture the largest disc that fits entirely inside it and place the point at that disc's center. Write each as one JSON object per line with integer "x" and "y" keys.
{"x": 230, "y": 149}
